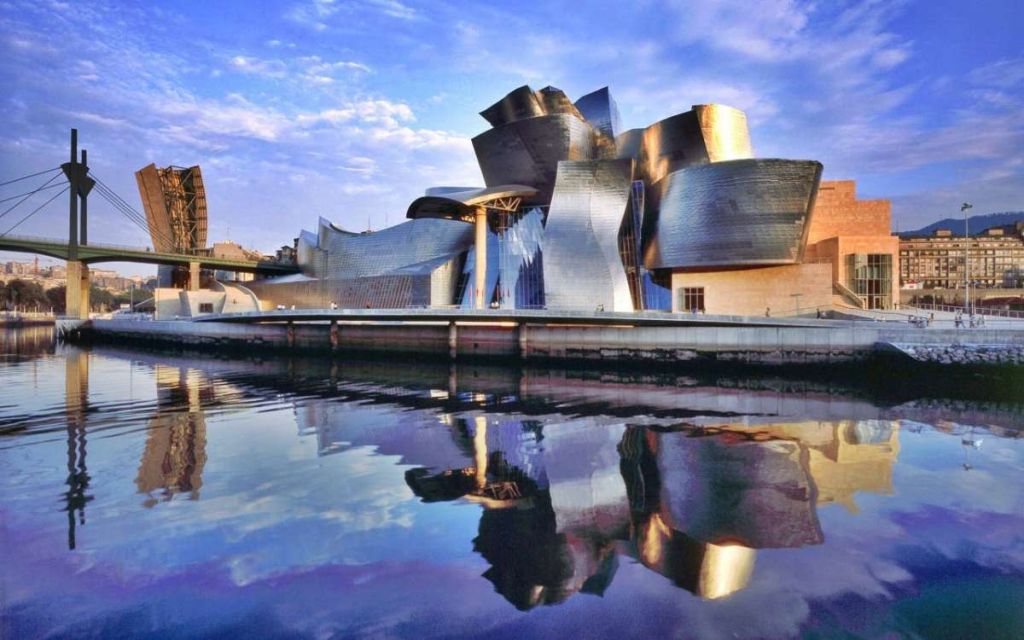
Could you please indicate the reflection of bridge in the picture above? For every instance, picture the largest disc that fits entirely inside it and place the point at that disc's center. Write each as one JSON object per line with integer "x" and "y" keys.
{"x": 79, "y": 252}
{"x": 88, "y": 254}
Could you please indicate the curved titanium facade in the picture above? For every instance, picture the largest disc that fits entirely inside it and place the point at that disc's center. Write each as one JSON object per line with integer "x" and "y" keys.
{"x": 528, "y": 151}
{"x": 380, "y": 252}
{"x": 725, "y": 133}
{"x": 742, "y": 212}
{"x": 582, "y": 266}
{"x": 524, "y": 102}
{"x": 670, "y": 145}
{"x": 707, "y": 133}
{"x": 518, "y": 104}
{"x": 415, "y": 263}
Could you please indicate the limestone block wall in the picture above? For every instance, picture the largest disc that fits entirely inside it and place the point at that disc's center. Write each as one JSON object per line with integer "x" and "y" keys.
{"x": 838, "y": 212}
{"x": 749, "y": 292}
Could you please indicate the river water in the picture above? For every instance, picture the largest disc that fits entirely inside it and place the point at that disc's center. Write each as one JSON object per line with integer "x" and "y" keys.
{"x": 177, "y": 495}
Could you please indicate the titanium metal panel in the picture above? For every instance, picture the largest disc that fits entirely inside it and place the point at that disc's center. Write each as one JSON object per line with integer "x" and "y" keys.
{"x": 725, "y": 132}
{"x": 628, "y": 143}
{"x": 524, "y": 102}
{"x": 600, "y": 110}
{"x": 736, "y": 213}
{"x": 415, "y": 263}
{"x": 582, "y": 266}
{"x": 556, "y": 102}
{"x": 519, "y": 104}
{"x": 707, "y": 133}
{"x": 405, "y": 244}
{"x": 670, "y": 145}
{"x": 527, "y": 152}
{"x": 306, "y": 253}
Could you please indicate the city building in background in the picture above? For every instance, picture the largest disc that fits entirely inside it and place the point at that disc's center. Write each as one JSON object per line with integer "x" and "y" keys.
{"x": 932, "y": 267}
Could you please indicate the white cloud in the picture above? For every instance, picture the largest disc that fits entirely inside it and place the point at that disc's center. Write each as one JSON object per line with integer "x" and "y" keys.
{"x": 318, "y": 14}
{"x": 393, "y": 8}
{"x": 381, "y": 112}
{"x": 1007, "y": 73}
{"x": 257, "y": 67}
{"x": 766, "y": 30}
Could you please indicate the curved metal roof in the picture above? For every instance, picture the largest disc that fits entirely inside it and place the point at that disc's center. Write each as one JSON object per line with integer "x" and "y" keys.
{"x": 461, "y": 205}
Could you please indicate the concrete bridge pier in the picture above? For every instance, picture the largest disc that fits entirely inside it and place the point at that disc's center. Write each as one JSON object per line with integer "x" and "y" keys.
{"x": 76, "y": 292}
{"x": 193, "y": 276}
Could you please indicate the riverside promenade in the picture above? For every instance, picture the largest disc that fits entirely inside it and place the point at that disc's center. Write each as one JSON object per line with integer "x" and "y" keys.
{"x": 574, "y": 336}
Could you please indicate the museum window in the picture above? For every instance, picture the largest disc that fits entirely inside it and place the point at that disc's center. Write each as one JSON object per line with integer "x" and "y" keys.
{"x": 870, "y": 277}
{"x": 205, "y": 307}
{"x": 691, "y": 299}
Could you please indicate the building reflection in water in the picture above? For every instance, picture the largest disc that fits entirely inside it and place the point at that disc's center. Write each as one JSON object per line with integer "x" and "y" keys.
{"x": 26, "y": 341}
{"x": 76, "y": 401}
{"x": 175, "y": 452}
{"x": 693, "y": 504}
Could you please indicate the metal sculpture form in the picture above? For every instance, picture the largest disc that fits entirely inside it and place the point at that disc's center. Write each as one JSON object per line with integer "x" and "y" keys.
{"x": 603, "y": 216}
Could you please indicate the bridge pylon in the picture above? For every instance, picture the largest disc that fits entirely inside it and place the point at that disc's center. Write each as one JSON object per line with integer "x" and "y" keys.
{"x": 76, "y": 296}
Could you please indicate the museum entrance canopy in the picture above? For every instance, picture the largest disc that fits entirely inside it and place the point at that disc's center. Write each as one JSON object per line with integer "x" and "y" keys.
{"x": 463, "y": 204}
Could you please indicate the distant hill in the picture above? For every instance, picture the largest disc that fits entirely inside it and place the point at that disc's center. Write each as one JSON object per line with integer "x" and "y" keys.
{"x": 977, "y": 224}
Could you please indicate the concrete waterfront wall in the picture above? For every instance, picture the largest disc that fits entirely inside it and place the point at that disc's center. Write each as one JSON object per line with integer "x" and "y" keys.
{"x": 766, "y": 345}
{"x": 775, "y": 345}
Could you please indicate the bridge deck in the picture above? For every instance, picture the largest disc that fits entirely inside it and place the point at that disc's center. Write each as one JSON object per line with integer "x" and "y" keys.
{"x": 111, "y": 253}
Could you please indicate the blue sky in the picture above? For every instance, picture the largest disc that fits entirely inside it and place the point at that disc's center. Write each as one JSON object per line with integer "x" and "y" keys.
{"x": 350, "y": 109}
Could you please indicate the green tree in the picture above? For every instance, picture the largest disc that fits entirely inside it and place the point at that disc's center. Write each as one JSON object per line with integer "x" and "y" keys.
{"x": 101, "y": 299}
{"x": 24, "y": 295}
{"x": 56, "y": 296}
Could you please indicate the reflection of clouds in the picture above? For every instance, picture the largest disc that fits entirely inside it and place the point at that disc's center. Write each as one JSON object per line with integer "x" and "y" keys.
{"x": 990, "y": 540}
{"x": 983, "y": 488}
{"x": 282, "y": 515}
{"x": 828, "y": 572}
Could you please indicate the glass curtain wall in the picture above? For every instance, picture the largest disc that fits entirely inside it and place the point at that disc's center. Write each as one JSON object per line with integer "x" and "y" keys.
{"x": 514, "y": 263}
{"x": 870, "y": 277}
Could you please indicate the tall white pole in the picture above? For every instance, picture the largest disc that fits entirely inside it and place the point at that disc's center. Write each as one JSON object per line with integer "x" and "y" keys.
{"x": 967, "y": 258}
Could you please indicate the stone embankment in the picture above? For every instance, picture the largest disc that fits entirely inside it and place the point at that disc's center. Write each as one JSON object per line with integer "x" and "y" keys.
{"x": 965, "y": 353}
{"x": 545, "y": 335}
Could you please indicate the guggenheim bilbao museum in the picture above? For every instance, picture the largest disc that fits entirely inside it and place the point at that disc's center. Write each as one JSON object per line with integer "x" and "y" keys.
{"x": 577, "y": 214}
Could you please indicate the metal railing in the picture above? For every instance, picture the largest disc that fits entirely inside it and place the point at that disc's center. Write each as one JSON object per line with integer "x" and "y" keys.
{"x": 978, "y": 310}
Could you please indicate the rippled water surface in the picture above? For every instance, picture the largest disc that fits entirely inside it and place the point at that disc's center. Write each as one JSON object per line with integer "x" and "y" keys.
{"x": 148, "y": 494}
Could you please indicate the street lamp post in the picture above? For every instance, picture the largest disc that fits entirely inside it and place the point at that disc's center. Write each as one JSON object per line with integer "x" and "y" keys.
{"x": 967, "y": 258}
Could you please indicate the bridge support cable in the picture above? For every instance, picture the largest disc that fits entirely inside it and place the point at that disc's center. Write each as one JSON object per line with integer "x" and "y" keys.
{"x": 30, "y": 194}
{"x": 35, "y": 211}
{"x": 31, "y": 175}
{"x": 127, "y": 210}
{"x": 114, "y": 202}
{"x": 124, "y": 209}
{"x": 133, "y": 218}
